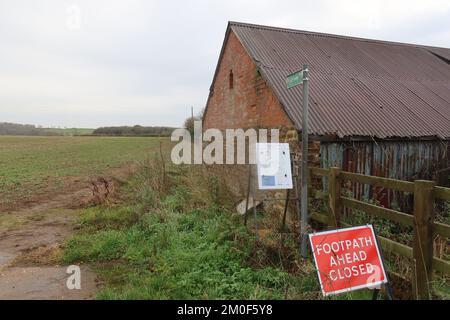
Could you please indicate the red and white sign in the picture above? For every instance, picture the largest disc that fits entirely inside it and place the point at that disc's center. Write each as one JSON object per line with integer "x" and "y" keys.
{"x": 347, "y": 259}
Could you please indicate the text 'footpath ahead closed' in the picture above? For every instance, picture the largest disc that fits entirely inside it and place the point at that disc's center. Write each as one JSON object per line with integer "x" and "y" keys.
{"x": 347, "y": 259}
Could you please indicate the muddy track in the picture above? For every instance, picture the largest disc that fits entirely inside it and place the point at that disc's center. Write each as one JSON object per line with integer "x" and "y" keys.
{"x": 30, "y": 243}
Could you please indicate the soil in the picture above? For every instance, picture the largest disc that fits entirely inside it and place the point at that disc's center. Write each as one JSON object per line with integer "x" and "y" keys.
{"x": 30, "y": 245}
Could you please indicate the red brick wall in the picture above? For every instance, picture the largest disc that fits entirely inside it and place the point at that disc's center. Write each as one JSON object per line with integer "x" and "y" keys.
{"x": 250, "y": 103}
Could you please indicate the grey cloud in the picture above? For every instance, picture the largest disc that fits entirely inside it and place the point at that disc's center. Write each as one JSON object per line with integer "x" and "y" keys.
{"x": 147, "y": 62}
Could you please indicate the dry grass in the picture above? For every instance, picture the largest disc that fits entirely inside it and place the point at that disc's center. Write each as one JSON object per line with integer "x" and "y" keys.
{"x": 41, "y": 256}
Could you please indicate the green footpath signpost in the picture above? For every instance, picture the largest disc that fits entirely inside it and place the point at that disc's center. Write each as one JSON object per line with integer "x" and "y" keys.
{"x": 292, "y": 80}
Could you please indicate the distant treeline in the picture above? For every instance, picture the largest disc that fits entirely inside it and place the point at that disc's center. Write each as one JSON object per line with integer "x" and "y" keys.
{"x": 20, "y": 129}
{"x": 134, "y": 131}
{"x": 15, "y": 129}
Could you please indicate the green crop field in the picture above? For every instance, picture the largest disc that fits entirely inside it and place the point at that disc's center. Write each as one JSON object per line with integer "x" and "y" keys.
{"x": 35, "y": 166}
{"x": 70, "y": 131}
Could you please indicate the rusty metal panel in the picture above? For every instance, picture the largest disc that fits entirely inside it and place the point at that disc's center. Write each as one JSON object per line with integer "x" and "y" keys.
{"x": 358, "y": 87}
{"x": 402, "y": 160}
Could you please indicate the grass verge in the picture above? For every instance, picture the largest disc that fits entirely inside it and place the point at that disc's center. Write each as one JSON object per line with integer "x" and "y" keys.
{"x": 177, "y": 238}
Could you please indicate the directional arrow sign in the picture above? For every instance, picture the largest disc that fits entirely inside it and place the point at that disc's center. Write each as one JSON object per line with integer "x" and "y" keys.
{"x": 294, "y": 79}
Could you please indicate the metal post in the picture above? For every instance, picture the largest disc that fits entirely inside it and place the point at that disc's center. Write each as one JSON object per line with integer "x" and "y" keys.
{"x": 286, "y": 204}
{"x": 248, "y": 193}
{"x": 288, "y": 194}
{"x": 304, "y": 173}
{"x": 255, "y": 217}
{"x": 388, "y": 287}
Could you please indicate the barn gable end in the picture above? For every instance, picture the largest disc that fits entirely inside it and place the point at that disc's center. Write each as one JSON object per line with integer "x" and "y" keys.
{"x": 239, "y": 96}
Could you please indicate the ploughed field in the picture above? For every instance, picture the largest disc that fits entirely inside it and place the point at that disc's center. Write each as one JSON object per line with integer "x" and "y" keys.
{"x": 33, "y": 169}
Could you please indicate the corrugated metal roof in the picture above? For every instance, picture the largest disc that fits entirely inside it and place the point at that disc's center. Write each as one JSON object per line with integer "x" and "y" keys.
{"x": 358, "y": 87}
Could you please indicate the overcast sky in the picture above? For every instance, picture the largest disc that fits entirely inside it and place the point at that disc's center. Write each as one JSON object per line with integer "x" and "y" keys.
{"x": 90, "y": 63}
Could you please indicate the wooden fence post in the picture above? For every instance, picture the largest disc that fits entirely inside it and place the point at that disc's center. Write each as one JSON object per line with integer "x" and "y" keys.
{"x": 423, "y": 238}
{"x": 334, "y": 195}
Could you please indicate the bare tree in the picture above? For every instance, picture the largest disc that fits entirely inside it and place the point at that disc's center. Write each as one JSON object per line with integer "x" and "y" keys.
{"x": 189, "y": 122}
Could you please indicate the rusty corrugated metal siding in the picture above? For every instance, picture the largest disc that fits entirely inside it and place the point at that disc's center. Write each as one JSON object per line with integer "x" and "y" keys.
{"x": 358, "y": 87}
{"x": 403, "y": 160}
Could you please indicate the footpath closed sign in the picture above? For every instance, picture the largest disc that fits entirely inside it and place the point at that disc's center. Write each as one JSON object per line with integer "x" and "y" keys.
{"x": 347, "y": 259}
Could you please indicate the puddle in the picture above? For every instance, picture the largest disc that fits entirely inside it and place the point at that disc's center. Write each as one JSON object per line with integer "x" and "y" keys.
{"x": 5, "y": 258}
{"x": 44, "y": 283}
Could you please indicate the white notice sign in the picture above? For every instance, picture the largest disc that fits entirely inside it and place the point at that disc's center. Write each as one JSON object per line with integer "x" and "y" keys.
{"x": 274, "y": 166}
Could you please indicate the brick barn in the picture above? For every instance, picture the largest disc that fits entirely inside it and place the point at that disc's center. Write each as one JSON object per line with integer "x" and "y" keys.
{"x": 376, "y": 107}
